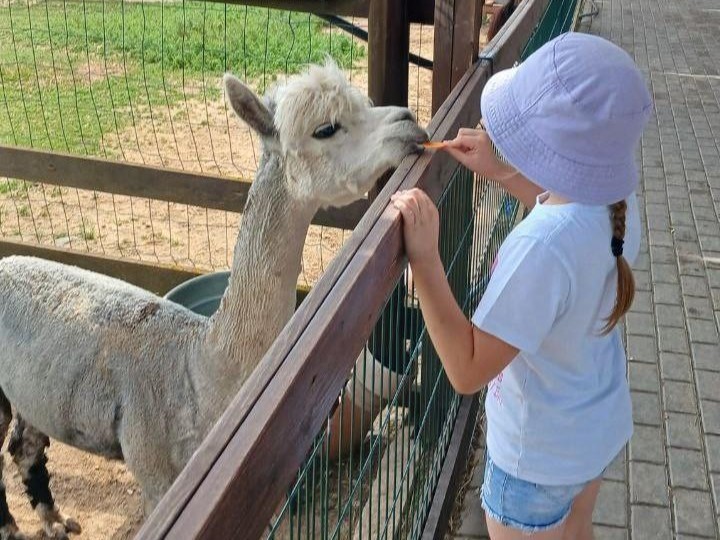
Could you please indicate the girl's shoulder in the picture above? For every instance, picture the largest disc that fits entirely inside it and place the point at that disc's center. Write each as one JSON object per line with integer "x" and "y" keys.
{"x": 543, "y": 224}
{"x": 569, "y": 236}
{"x": 572, "y": 222}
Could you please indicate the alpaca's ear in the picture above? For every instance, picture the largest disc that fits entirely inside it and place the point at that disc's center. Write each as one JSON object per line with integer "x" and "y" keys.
{"x": 248, "y": 106}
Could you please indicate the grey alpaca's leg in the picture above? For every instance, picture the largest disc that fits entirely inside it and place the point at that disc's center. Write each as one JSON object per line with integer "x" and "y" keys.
{"x": 153, "y": 485}
{"x": 8, "y": 527}
{"x": 27, "y": 447}
{"x": 147, "y": 457}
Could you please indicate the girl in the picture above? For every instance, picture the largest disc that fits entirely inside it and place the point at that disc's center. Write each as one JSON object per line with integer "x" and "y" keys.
{"x": 544, "y": 336}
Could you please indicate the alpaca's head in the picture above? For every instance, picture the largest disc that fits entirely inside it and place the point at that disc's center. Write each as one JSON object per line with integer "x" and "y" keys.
{"x": 333, "y": 142}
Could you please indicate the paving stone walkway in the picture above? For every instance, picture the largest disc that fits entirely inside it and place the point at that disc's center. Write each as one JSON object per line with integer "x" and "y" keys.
{"x": 667, "y": 482}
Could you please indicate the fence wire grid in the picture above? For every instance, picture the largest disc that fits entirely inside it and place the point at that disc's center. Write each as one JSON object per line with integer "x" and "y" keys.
{"x": 139, "y": 81}
{"x": 399, "y": 402}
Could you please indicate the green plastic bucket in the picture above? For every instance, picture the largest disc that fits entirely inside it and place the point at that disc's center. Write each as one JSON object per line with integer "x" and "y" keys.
{"x": 201, "y": 294}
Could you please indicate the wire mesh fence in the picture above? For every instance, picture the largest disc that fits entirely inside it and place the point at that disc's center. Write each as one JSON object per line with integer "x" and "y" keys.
{"x": 398, "y": 404}
{"x": 139, "y": 81}
{"x": 398, "y": 409}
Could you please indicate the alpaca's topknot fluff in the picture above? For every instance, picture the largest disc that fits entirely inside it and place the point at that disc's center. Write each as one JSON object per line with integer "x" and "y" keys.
{"x": 319, "y": 95}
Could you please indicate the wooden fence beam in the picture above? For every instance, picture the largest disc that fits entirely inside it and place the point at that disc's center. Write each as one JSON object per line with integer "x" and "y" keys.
{"x": 107, "y": 176}
{"x": 419, "y": 11}
{"x": 157, "y": 278}
{"x": 154, "y": 277}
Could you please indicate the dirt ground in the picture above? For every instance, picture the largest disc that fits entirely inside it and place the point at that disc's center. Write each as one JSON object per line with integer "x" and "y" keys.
{"x": 196, "y": 135}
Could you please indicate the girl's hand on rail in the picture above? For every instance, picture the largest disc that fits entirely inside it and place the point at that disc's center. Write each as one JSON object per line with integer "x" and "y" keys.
{"x": 474, "y": 149}
{"x": 421, "y": 226}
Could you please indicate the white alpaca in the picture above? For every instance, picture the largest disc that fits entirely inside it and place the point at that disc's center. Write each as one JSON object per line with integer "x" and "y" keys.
{"x": 114, "y": 370}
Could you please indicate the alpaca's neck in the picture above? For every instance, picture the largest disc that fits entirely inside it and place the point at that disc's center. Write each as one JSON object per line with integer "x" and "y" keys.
{"x": 261, "y": 294}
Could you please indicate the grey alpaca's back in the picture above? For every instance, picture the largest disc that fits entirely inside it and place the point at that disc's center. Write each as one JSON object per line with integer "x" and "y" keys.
{"x": 62, "y": 330}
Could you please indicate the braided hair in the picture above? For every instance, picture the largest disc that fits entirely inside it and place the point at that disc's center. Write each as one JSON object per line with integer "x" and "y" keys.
{"x": 626, "y": 282}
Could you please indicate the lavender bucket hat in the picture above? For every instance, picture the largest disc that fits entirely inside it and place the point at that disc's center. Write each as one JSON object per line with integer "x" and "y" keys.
{"x": 570, "y": 117}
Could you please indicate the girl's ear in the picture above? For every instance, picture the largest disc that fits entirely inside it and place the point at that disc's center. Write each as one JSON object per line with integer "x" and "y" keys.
{"x": 248, "y": 106}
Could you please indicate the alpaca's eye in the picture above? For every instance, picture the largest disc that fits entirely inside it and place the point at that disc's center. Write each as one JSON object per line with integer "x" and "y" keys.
{"x": 326, "y": 131}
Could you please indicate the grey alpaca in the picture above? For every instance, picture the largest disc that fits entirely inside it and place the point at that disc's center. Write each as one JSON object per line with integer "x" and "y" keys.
{"x": 115, "y": 370}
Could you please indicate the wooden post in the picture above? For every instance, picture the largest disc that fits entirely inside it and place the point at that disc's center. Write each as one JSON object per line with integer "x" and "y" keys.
{"x": 466, "y": 37}
{"x": 457, "y": 30}
{"x": 478, "y": 12}
{"x": 389, "y": 49}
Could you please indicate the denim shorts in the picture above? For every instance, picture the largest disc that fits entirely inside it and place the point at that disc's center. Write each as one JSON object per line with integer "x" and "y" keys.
{"x": 523, "y": 505}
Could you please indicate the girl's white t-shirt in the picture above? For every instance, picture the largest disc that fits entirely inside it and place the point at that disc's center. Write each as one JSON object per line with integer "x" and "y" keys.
{"x": 560, "y": 411}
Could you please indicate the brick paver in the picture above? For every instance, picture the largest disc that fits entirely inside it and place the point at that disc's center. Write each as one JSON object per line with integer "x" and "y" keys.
{"x": 667, "y": 484}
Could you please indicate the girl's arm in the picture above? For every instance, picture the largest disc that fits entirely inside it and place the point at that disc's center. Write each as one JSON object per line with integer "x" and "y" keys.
{"x": 471, "y": 357}
{"x": 473, "y": 148}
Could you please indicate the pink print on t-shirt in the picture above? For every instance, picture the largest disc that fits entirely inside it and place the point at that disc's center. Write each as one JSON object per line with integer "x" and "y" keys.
{"x": 495, "y": 388}
{"x": 494, "y": 264}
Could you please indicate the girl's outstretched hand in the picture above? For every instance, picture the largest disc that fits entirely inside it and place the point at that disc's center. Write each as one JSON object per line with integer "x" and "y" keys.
{"x": 473, "y": 148}
{"x": 421, "y": 225}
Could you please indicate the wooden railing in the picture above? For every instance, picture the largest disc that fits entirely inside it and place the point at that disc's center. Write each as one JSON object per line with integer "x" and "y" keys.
{"x": 233, "y": 483}
{"x": 107, "y": 176}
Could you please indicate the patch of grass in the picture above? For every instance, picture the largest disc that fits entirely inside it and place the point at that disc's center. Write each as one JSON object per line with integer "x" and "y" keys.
{"x": 73, "y": 73}
{"x": 13, "y": 187}
{"x": 9, "y": 186}
{"x": 24, "y": 210}
{"x": 88, "y": 230}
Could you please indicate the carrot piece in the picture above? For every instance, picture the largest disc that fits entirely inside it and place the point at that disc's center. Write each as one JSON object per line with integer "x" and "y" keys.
{"x": 434, "y": 144}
